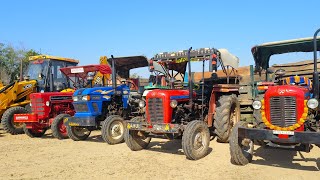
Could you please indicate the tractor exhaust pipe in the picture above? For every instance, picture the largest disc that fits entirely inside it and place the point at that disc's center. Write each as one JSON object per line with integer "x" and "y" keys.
{"x": 190, "y": 80}
{"x": 114, "y": 81}
{"x": 51, "y": 83}
{"x": 315, "y": 82}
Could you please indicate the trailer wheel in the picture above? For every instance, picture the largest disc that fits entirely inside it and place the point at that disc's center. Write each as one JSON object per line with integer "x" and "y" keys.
{"x": 78, "y": 133}
{"x": 241, "y": 150}
{"x": 59, "y": 130}
{"x": 7, "y": 120}
{"x": 136, "y": 140}
{"x": 226, "y": 116}
{"x": 195, "y": 140}
{"x": 33, "y": 133}
{"x": 112, "y": 130}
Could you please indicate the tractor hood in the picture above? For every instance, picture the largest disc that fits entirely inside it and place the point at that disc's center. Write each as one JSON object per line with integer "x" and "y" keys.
{"x": 105, "y": 92}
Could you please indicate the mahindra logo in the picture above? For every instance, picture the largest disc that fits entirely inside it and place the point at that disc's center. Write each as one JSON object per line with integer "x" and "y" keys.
{"x": 22, "y": 118}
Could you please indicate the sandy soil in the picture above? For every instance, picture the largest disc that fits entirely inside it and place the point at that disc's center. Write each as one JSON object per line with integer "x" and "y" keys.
{"x": 38, "y": 158}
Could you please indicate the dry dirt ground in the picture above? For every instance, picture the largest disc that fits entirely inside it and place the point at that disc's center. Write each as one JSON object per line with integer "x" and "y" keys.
{"x": 47, "y": 158}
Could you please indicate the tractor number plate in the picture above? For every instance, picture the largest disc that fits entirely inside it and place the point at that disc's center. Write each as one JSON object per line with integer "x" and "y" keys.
{"x": 133, "y": 126}
{"x": 73, "y": 124}
{"x": 283, "y": 132}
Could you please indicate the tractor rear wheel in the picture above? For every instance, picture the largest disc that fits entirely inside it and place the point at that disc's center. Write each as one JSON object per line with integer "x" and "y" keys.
{"x": 33, "y": 133}
{"x": 195, "y": 140}
{"x": 226, "y": 116}
{"x": 78, "y": 133}
{"x": 136, "y": 140}
{"x": 241, "y": 150}
{"x": 112, "y": 130}
{"x": 7, "y": 120}
{"x": 58, "y": 129}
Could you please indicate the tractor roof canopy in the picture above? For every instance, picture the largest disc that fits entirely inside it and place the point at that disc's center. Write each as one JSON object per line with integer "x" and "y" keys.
{"x": 82, "y": 71}
{"x": 125, "y": 64}
{"x": 262, "y": 53}
{"x": 42, "y": 57}
{"x": 177, "y": 61}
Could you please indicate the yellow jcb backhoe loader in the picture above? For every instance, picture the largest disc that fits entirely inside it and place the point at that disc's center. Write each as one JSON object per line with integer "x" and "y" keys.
{"x": 42, "y": 75}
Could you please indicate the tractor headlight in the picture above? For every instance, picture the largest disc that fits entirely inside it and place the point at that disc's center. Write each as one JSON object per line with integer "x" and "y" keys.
{"x": 173, "y": 103}
{"x": 142, "y": 104}
{"x": 256, "y": 104}
{"x": 312, "y": 103}
{"x": 47, "y": 103}
{"x": 75, "y": 98}
{"x": 85, "y": 98}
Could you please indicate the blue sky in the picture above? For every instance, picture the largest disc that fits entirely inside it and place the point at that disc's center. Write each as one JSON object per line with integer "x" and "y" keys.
{"x": 85, "y": 30}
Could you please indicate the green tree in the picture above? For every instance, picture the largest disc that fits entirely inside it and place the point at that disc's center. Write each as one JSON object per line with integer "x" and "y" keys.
{"x": 11, "y": 59}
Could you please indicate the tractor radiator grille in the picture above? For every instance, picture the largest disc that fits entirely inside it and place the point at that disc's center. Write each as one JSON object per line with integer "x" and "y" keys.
{"x": 80, "y": 107}
{"x": 95, "y": 107}
{"x": 283, "y": 111}
{"x": 37, "y": 106}
{"x": 155, "y": 110}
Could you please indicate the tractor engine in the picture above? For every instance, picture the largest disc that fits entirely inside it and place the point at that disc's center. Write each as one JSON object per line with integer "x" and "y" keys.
{"x": 51, "y": 104}
{"x": 167, "y": 106}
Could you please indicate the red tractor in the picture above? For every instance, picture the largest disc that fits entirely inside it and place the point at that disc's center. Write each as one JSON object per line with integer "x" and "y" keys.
{"x": 186, "y": 108}
{"x": 50, "y": 108}
{"x": 286, "y": 111}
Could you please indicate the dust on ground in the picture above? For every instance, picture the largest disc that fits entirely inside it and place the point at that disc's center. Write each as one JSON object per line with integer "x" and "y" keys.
{"x": 38, "y": 158}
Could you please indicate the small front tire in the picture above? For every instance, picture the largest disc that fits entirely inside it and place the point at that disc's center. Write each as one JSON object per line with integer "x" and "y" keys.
{"x": 34, "y": 133}
{"x": 136, "y": 140}
{"x": 241, "y": 150}
{"x": 196, "y": 140}
{"x": 78, "y": 133}
{"x": 59, "y": 130}
{"x": 112, "y": 130}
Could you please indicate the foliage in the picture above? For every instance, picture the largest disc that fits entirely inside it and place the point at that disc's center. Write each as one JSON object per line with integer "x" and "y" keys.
{"x": 11, "y": 59}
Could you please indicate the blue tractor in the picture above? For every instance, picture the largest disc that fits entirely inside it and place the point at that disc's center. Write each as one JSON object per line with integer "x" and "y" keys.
{"x": 108, "y": 106}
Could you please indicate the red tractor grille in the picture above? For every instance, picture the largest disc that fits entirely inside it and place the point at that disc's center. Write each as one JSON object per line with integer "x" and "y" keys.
{"x": 283, "y": 111}
{"x": 37, "y": 106}
{"x": 155, "y": 110}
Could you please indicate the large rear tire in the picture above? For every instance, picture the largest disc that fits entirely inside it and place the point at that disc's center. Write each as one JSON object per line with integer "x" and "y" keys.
{"x": 196, "y": 140}
{"x": 226, "y": 116}
{"x": 59, "y": 130}
{"x": 7, "y": 120}
{"x": 78, "y": 133}
{"x": 112, "y": 130}
{"x": 241, "y": 150}
{"x": 136, "y": 140}
{"x": 33, "y": 133}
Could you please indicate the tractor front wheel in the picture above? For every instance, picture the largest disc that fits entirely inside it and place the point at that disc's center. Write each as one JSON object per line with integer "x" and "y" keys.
{"x": 112, "y": 130}
{"x": 226, "y": 116}
{"x": 33, "y": 132}
{"x": 241, "y": 149}
{"x": 136, "y": 140}
{"x": 58, "y": 129}
{"x": 78, "y": 133}
{"x": 195, "y": 140}
{"x": 7, "y": 120}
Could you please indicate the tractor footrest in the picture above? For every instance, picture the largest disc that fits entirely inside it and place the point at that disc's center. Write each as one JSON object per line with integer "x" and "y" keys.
{"x": 80, "y": 121}
{"x": 154, "y": 128}
{"x": 280, "y": 136}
